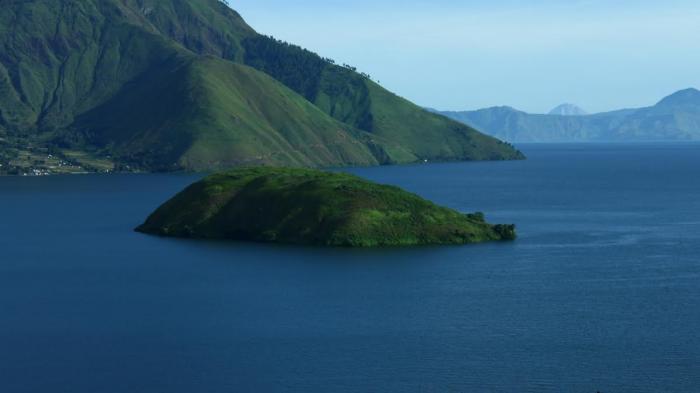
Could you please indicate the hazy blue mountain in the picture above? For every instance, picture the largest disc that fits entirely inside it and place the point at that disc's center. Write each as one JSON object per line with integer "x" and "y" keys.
{"x": 674, "y": 118}
{"x": 568, "y": 110}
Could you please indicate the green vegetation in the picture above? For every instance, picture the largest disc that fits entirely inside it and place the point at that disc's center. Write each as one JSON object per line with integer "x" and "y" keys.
{"x": 187, "y": 84}
{"x": 305, "y": 206}
{"x": 27, "y": 158}
{"x": 204, "y": 113}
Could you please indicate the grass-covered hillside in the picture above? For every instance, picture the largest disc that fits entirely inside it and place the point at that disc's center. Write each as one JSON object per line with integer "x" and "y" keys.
{"x": 205, "y": 113}
{"x": 305, "y": 206}
{"x": 187, "y": 84}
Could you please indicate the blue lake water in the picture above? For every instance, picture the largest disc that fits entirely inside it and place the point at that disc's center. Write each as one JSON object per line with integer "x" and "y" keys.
{"x": 600, "y": 293}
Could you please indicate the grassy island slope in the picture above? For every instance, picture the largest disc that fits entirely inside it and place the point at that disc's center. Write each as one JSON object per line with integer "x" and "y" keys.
{"x": 304, "y": 206}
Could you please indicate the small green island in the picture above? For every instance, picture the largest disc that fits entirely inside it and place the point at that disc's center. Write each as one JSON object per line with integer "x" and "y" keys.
{"x": 312, "y": 207}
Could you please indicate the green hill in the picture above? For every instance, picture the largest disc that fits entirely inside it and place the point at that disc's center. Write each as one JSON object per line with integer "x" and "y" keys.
{"x": 208, "y": 113}
{"x": 304, "y": 206}
{"x": 187, "y": 84}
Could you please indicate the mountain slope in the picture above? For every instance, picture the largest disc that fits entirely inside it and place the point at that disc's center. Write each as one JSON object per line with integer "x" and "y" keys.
{"x": 516, "y": 126}
{"x": 184, "y": 116}
{"x": 60, "y": 58}
{"x": 339, "y": 91}
{"x": 163, "y": 85}
{"x": 675, "y": 118}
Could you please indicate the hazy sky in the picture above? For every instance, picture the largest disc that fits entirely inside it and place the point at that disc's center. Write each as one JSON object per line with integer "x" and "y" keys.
{"x": 532, "y": 55}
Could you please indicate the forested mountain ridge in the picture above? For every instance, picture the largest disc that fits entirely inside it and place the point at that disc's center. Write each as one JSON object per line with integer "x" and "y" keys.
{"x": 187, "y": 84}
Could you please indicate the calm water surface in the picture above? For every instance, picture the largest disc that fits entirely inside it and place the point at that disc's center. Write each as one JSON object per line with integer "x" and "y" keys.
{"x": 600, "y": 293}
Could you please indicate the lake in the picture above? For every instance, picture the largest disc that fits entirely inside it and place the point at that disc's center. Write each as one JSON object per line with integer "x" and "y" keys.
{"x": 601, "y": 292}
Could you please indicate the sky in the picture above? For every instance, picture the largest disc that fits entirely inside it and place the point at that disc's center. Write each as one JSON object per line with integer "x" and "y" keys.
{"x": 532, "y": 55}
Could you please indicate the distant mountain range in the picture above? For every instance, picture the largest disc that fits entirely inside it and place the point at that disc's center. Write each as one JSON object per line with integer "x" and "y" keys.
{"x": 187, "y": 84}
{"x": 675, "y": 118}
